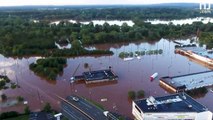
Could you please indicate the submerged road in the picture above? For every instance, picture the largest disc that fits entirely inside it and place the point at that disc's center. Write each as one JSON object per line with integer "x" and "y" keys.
{"x": 71, "y": 113}
{"x": 80, "y": 109}
{"x": 87, "y": 107}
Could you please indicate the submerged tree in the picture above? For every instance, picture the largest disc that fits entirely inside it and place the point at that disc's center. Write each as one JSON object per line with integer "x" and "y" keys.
{"x": 86, "y": 65}
{"x": 47, "y": 107}
{"x": 131, "y": 95}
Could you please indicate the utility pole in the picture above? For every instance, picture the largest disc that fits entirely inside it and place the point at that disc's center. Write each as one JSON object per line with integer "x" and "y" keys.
{"x": 39, "y": 97}
{"x": 17, "y": 80}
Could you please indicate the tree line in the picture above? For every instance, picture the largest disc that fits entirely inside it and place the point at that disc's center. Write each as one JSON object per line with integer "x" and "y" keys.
{"x": 110, "y": 13}
{"x": 19, "y": 37}
{"x": 207, "y": 39}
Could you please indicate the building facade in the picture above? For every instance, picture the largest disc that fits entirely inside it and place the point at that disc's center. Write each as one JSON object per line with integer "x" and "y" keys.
{"x": 178, "y": 106}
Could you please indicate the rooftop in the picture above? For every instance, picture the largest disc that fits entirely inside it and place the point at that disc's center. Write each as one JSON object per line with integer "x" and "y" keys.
{"x": 179, "y": 102}
{"x": 190, "y": 81}
{"x": 99, "y": 75}
{"x": 200, "y": 51}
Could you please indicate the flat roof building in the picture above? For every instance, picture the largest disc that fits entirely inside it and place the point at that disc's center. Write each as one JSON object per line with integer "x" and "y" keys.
{"x": 200, "y": 51}
{"x": 197, "y": 53}
{"x": 178, "y": 106}
{"x": 188, "y": 81}
{"x": 97, "y": 76}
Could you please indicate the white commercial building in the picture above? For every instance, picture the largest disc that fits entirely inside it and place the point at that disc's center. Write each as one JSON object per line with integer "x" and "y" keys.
{"x": 178, "y": 106}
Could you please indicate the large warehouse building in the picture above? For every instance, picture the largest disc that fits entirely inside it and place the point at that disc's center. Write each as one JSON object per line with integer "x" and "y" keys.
{"x": 178, "y": 106}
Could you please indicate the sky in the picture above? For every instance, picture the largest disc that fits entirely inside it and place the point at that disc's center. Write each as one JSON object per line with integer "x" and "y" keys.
{"x": 91, "y": 2}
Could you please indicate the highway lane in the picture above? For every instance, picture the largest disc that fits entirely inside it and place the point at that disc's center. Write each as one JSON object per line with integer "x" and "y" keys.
{"x": 71, "y": 113}
{"x": 88, "y": 108}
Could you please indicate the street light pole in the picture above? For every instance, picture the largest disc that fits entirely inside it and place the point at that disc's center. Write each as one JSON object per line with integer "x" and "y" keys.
{"x": 90, "y": 93}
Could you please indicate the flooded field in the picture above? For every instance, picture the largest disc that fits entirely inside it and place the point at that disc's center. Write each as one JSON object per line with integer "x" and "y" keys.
{"x": 133, "y": 75}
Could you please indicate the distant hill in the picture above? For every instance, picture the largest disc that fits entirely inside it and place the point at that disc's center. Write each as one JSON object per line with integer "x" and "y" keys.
{"x": 163, "y": 5}
{"x": 186, "y": 5}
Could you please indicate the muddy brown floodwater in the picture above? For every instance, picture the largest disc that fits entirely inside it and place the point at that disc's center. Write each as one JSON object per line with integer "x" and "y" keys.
{"x": 133, "y": 75}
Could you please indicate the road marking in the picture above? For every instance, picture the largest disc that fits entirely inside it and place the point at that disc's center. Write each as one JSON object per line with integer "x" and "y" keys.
{"x": 71, "y": 114}
{"x": 69, "y": 111}
{"x": 86, "y": 104}
{"x": 91, "y": 118}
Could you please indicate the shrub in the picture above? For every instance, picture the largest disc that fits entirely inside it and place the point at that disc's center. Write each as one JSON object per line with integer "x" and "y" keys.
{"x": 2, "y": 83}
{"x": 27, "y": 110}
{"x": 13, "y": 85}
{"x": 7, "y": 79}
{"x": 131, "y": 95}
{"x": 86, "y": 65}
{"x": 140, "y": 94}
{"x": 3, "y": 97}
{"x": 47, "y": 107}
{"x": 199, "y": 91}
{"x": 8, "y": 115}
{"x": 20, "y": 99}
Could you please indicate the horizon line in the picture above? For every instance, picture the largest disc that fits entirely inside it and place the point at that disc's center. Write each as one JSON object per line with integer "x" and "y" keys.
{"x": 101, "y": 4}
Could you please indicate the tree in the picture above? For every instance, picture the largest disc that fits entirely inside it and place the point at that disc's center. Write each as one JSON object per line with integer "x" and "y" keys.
{"x": 87, "y": 38}
{"x": 125, "y": 27}
{"x": 47, "y": 107}
{"x": 106, "y": 27}
{"x": 138, "y": 36}
{"x": 3, "y": 97}
{"x": 8, "y": 114}
{"x": 140, "y": 94}
{"x": 131, "y": 95}
{"x": 74, "y": 36}
{"x": 2, "y": 84}
{"x": 76, "y": 45}
{"x": 86, "y": 65}
{"x": 27, "y": 110}
{"x": 20, "y": 99}
{"x": 101, "y": 37}
{"x": 52, "y": 75}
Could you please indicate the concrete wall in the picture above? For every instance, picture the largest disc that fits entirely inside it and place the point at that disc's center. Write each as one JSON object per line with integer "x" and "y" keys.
{"x": 138, "y": 115}
{"x": 167, "y": 115}
{"x": 98, "y": 81}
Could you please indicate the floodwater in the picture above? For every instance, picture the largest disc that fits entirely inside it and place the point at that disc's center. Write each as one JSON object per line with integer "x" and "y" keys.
{"x": 133, "y": 75}
{"x": 204, "y": 20}
{"x": 101, "y": 22}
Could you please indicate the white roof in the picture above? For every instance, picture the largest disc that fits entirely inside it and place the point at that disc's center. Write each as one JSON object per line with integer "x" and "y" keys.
{"x": 207, "y": 115}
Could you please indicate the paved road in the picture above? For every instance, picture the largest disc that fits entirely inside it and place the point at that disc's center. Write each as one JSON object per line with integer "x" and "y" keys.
{"x": 71, "y": 113}
{"x": 91, "y": 110}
